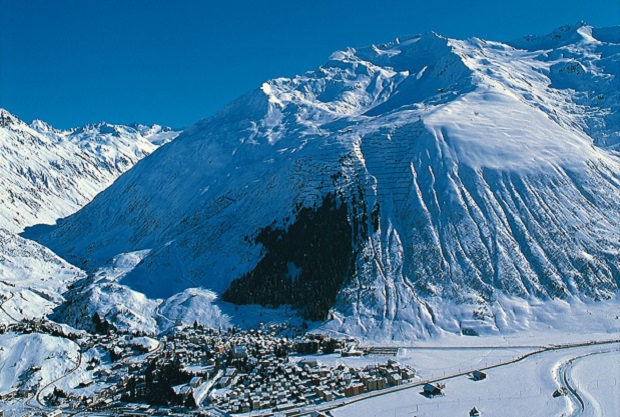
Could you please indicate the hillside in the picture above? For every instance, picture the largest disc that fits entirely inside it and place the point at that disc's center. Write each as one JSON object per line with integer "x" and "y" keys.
{"x": 46, "y": 174}
{"x": 403, "y": 189}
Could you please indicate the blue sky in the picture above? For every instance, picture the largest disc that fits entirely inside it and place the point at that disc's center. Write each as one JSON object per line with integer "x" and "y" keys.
{"x": 71, "y": 62}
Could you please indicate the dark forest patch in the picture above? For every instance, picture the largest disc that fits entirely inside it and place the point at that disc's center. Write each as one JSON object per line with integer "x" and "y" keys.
{"x": 304, "y": 266}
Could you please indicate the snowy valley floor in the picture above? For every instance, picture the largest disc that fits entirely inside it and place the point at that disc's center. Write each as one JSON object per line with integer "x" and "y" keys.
{"x": 524, "y": 367}
{"x": 590, "y": 373}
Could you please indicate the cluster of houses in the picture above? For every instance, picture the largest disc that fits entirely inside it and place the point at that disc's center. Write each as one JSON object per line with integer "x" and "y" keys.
{"x": 235, "y": 371}
{"x": 104, "y": 385}
{"x": 282, "y": 384}
{"x": 241, "y": 371}
{"x": 37, "y": 325}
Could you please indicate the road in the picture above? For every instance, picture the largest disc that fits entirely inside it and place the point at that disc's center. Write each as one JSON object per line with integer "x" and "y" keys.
{"x": 41, "y": 405}
{"x": 37, "y": 396}
{"x": 582, "y": 403}
{"x": 6, "y": 312}
{"x": 577, "y": 405}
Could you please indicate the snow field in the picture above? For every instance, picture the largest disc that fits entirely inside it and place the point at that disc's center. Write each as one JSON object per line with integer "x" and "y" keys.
{"x": 522, "y": 388}
{"x": 22, "y": 355}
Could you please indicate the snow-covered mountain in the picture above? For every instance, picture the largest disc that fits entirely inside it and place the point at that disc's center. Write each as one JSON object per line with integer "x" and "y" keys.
{"x": 400, "y": 189}
{"x": 47, "y": 173}
{"x": 32, "y": 278}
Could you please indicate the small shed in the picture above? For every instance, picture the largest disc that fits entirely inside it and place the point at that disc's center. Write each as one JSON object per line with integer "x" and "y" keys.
{"x": 479, "y": 375}
{"x": 559, "y": 392}
{"x": 432, "y": 390}
{"x": 474, "y": 412}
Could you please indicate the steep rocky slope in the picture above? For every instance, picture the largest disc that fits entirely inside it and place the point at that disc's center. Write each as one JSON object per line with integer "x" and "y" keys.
{"x": 47, "y": 173}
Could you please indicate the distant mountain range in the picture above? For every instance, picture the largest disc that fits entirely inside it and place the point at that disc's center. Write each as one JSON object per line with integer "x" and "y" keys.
{"x": 400, "y": 190}
{"x": 46, "y": 174}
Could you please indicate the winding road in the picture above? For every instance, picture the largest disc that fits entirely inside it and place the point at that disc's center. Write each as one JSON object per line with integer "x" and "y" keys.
{"x": 6, "y": 312}
{"x": 37, "y": 396}
{"x": 582, "y": 402}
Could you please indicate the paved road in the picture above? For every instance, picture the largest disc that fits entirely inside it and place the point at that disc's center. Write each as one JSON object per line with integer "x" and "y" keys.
{"x": 37, "y": 396}
{"x": 575, "y": 396}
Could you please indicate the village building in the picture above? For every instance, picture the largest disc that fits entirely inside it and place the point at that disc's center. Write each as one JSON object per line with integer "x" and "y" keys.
{"x": 195, "y": 382}
{"x": 474, "y": 412}
{"x": 479, "y": 375}
{"x": 354, "y": 389}
{"x": 432, "y": 390}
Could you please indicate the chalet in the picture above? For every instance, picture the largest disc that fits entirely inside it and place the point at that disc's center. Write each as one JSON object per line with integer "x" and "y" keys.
{"x": 474, "y": 412}
{"x": 185, "y": 391}
{"x": 479, "y": 375}
{"x": 407, "y": 373}
{"x": 432, "y": 390}
{"x": 325, "y": 394}
{"x": 395, "y": 379}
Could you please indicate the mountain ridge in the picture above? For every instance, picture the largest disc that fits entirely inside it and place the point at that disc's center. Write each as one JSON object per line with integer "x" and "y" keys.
{"x": 470, "y": 171}
{"x": 49, "y": 173}
{"x": 45, "y": 174}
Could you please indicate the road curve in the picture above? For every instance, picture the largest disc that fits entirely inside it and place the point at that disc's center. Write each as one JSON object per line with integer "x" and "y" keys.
{"x": 37, "y": 395}
{"x": 584, "y": 404}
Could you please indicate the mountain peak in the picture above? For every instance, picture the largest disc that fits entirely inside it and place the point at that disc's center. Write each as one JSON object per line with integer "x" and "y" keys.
{"x": 396, "y": 184}
{"x": 99, "y": 127}
{"x": 402, "y": 54}
{"x": 48, "y": 173}
{"x": 8, "y": 120}
{"x": 577, "y": 33}
{"x": 43, "y": 127}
